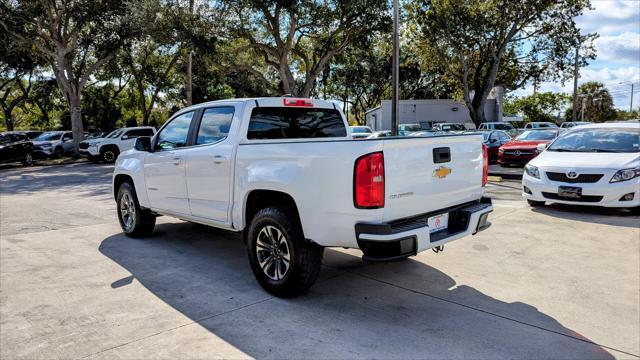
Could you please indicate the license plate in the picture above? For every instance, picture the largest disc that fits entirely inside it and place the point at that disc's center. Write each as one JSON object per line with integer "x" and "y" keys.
{"x": 572, "y": 192}
{"x": 438, "y": 222}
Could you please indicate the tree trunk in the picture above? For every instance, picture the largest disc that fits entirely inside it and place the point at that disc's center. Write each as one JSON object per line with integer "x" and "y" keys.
{"x": 476, "y": 109}
{"x": 8, "y": 121}
{"x": 76, "y": 122}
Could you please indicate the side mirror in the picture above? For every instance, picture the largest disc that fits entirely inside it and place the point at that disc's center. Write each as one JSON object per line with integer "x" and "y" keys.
{"x": 492, "y": 141}
{"x": 143, "y": 143}
{"x": 541, "y": 147}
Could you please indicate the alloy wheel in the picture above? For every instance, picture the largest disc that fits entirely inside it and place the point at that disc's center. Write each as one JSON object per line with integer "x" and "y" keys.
{"x": 273, "y": 253}
{"x": 127, "y": 211}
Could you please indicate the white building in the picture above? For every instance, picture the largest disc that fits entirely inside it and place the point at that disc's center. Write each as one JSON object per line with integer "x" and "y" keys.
{"x": 430, "y": 111}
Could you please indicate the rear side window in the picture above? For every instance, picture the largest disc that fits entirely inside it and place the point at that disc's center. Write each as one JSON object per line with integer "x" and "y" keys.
{"x": 295, "y": 123}
{"x": 214, "y": 125}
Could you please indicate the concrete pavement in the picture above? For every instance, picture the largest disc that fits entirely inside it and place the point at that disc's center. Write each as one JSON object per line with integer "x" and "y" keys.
{"x": 549, "y": 283}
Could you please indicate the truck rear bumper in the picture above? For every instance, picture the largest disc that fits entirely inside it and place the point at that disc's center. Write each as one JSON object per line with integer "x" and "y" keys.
{"x": 405, "y": 237}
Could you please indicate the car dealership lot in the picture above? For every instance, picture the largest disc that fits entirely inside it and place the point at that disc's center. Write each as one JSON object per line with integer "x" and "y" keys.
{"x": 557, "y": 282}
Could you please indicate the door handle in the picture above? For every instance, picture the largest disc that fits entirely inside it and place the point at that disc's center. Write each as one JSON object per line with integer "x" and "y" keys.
{"x": 218, "y": 159}
{"x": 177, "y": 161}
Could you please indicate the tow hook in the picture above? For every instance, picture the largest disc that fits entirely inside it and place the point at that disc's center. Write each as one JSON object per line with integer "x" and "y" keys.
{"x": 437, "y": 249}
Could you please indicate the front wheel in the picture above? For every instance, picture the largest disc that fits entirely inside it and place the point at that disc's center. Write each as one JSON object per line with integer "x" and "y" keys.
{"x": 534, "y": 203}
{"x": 282, "y": 260}
{"x": 27, "y": 160}
{"x": 109, "y": 155}
{"x": 134, "y": 221}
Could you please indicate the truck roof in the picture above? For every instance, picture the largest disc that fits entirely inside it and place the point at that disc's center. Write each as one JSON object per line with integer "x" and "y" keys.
{"x": 266, "y": 101}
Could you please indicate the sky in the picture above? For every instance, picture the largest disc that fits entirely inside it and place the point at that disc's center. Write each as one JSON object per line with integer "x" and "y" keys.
{"x": 618, "y": 48}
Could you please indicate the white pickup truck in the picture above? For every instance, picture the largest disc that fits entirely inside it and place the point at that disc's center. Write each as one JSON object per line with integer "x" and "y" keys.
{"x": 286, "y": 173}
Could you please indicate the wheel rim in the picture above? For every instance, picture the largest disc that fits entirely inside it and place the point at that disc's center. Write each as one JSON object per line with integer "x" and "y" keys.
{"x": 127, "y": 211}
{"x": 109, "y": 156}
{"x": 272, "y": 250}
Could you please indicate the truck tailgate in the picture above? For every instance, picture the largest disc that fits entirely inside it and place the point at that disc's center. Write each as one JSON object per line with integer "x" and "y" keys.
{"x": 420, "y": 179}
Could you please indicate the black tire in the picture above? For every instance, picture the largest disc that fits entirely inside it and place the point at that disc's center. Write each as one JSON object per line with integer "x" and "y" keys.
{"x": 136, "y": 223}
{"x": 635, "y": 210}
{"x": 109, "y": 155}
{"x": 534, "y": 203}
{"x": 27, "y": 159}
{"x": 58, "y": 152}
{"x": 305, "y": 257}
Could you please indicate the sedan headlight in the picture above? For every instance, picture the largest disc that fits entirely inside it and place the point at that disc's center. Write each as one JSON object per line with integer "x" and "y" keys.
{"x": 46, "y": 145}
{"x": 532, "y": 171}
{"x": 501, "y": 151}
{"x": 625, "y": 174}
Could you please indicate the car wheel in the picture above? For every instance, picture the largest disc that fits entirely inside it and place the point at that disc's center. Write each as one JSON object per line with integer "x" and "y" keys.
{"x": 58, "y": 152}
{"x": 134, "y": 221}
{"x": 109, "y": 155}
{"x": 282, "y": 260}
{"x": 534, "y": 203}
{"x": 27, "y": 160}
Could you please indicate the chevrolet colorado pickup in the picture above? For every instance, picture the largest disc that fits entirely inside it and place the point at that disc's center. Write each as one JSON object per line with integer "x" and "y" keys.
{"x": 286, "y": 173}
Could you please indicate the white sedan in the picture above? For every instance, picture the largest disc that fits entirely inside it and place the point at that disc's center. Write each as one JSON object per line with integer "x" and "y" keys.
{"x": 595, "y": 164}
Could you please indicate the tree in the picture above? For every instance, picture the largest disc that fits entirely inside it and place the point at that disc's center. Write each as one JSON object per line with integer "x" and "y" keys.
{"x": 299, "y": 38}
{"x": 75, "y": 38}
{"x": 594, "y": 103}
{"x": 479, "y": 42}
{"x": 18, "y": 66}
{"x": 545, "y": 106}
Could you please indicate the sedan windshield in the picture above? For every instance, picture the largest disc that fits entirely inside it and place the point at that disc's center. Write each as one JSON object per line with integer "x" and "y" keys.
{"x": 618, "y": 140}
{"x": 48, "y": 136}
{"x": 538, "y": 135}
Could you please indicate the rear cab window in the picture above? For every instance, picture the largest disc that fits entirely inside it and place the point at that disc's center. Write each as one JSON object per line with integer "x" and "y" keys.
{"x": 295, "y": 123}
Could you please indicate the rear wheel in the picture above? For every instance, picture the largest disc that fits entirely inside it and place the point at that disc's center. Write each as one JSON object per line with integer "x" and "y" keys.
{"x": 282, "y": 260}
{"x": 134, "y": 221}
{"x": 534, "y": 203}
{"x": 27, "y": 160}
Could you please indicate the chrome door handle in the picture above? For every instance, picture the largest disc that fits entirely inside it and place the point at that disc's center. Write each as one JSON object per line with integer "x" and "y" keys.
{"x": 218, "y": 159}
{"x": 177, "y": 161}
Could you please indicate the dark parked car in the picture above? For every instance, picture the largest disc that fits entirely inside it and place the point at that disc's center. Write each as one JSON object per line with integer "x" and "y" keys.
{"x": 493, "y": 139}
{"x": 15, "y": 147}
{"x": 30, "y": 134}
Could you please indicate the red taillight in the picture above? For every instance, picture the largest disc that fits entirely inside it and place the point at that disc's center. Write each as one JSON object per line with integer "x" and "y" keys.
{"x": 485, "y": 164}
{"x": 298, "y": 102}
{"x": 369, "y": 181}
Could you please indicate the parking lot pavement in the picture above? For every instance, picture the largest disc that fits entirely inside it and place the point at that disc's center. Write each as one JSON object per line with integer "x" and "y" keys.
{"x": 555, "y": 282}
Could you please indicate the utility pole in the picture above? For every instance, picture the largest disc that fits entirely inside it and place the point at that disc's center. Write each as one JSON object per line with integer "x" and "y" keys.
{"x": 189, "y": 85}
{"x": 395, "y": 70}
{"x": 574, "y": 113}
{"x": 584, "y": 100}
{"x": 631, "y": 103}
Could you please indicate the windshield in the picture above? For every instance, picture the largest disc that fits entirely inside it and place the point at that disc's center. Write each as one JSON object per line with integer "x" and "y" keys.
{"x": 360, "y": 129}
{"x": 114, "y": 134}
{"x": 617, "y": 140}
{"x": 48, "y": 136}
{"x": 485, "y": 136}
{"x": 4, "y": 139}
{"x": 537, "y": 135}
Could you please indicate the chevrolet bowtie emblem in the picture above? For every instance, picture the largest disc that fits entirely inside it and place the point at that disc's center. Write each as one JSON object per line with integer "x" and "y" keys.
{"x": 441, "y": 172}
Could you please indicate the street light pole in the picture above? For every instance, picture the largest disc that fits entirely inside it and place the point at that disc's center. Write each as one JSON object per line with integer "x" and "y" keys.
{"x": 574, "y": 111}
{"x": 395, "y": 70}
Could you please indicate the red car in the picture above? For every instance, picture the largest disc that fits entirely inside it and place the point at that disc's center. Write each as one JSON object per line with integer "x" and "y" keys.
{"x": 524, "y": 147}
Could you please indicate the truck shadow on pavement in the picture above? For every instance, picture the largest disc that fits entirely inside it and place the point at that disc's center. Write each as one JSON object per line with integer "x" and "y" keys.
{"x": 404, "y": 309}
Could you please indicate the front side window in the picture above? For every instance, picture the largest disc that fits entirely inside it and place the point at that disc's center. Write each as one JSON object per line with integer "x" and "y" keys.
{"x": 215, "y": 125}
{"x": 175, "y": 134}
{"x": 295, "y": 123}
